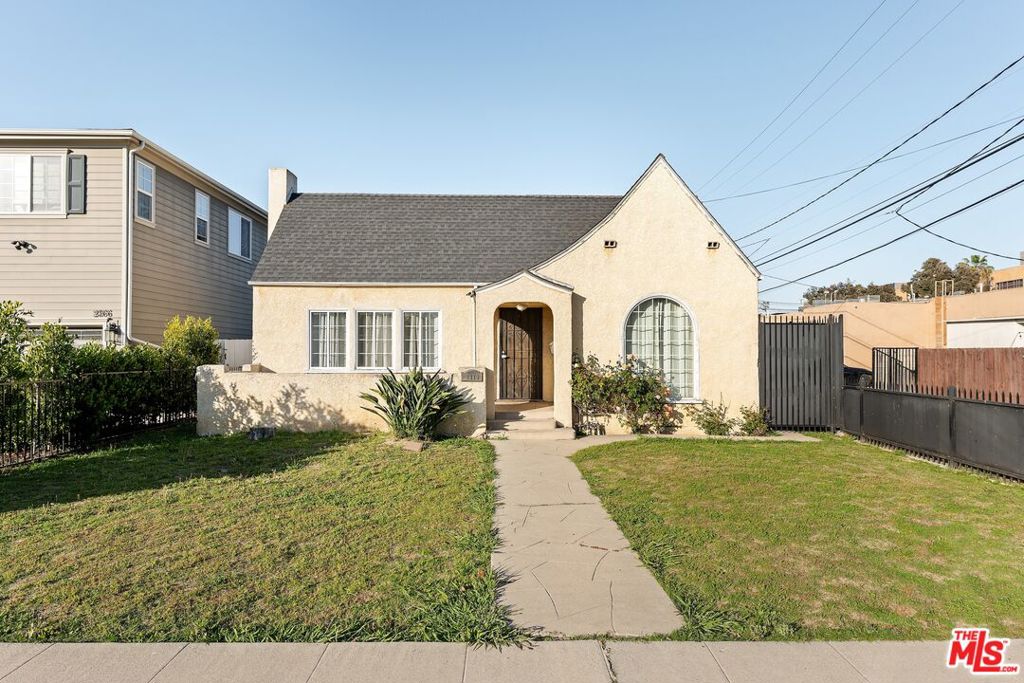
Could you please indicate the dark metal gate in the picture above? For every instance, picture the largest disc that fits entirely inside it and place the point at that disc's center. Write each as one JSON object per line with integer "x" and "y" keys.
{"x": 800, "y": 367}
{"x": 894, "y": 367}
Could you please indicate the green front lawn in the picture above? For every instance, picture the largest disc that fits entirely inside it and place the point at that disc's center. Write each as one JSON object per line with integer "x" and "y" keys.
{"x": 835, "y": 539}
{"x": 301, "y": 537}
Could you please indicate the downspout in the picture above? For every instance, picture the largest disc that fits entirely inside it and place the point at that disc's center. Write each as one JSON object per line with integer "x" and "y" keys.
{"x": 129, "y": 224}
{"x": 472, "y": 295}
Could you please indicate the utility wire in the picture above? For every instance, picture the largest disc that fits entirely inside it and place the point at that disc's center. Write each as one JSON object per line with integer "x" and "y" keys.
{"x": 961, "y": 244}
{"x": 850, "y": 101}
{"x": 897, "y": 147}
{"x": 857, "y": 168}
{"x": 886, "y": 203}
{"x": 917, "y": 229}
{"x": 892, "y": 217}
{"x": 820, "y": 96}
{"x": 795, "y": 97}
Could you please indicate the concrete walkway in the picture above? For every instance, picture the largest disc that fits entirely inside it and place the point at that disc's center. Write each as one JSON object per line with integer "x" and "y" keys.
{"x": 580, "y": 661}
{"x": 571, "y": 571}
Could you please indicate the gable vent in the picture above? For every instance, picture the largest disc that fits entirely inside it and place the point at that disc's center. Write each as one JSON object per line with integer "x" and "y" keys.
{"x": 713, "y": 245}
{"x": 610, "y": 244}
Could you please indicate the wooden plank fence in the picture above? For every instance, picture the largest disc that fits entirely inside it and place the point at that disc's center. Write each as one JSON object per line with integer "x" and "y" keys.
{"x": 983, "y": 370}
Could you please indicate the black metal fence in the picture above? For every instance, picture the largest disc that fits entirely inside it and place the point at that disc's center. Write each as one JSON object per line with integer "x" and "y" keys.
{"x": 43, "y": 418}
{"x": 801, "y": 370}
{"x": 894, "y": 368}
{"x": 986, "y": 435}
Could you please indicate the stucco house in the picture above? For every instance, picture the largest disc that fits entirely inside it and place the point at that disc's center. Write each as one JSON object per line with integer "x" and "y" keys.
{"x": 500, "y": 291}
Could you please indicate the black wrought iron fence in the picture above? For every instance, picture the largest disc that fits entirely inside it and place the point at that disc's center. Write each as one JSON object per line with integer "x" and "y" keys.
{"x": 43, "y": 418}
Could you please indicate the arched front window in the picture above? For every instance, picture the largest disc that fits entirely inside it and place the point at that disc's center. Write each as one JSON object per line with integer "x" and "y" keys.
{"x": 659, "y": 332}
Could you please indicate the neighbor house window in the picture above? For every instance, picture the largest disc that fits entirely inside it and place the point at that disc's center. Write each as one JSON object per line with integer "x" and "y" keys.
{"x": 374, "y": 339}
{"x": 239, "y": 234}
{"x": 202, "y": 218}
{"x": 327, "y": 339}
{"x": 421, "y": 339}
{"x": 659, "y": 332}
{"x": 31, "y": 183}
{"x": 145, "y": 187}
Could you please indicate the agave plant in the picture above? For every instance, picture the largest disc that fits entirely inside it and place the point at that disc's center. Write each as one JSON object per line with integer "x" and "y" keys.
{"x": 414, "y": 404}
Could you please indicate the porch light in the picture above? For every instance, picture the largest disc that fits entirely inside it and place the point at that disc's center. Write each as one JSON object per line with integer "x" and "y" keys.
{"x": 520, "y": 307}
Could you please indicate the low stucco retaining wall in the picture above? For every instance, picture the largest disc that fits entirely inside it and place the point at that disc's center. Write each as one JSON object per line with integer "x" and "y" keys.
{"x": 233, "y": 402}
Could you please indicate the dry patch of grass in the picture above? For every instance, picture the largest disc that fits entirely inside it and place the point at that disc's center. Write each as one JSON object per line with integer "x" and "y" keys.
{"x": 301, "y": 537}
{"x": 835, "y": 539}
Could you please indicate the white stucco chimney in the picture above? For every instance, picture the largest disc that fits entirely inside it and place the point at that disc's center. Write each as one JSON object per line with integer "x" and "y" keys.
{"x": 282, "y": 187}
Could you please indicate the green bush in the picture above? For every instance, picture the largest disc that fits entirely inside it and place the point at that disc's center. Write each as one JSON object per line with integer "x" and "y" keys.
{"x": 712, "y": 418}
{"x": 635, "y": 394}
{"x": 13, "y": 338}
{"x": 754, "y": 421}
{"x": 414, "y": 404}
{"x": 57, "y": 395}
{"x": 192, "y": 340}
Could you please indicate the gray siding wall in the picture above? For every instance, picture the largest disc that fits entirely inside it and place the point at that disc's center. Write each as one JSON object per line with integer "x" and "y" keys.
{"x": 175, "y": 275}
{"x": 75, "y": 270}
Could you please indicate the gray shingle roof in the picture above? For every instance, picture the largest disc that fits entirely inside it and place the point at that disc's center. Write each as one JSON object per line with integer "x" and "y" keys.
{"x": 422, "y": 238}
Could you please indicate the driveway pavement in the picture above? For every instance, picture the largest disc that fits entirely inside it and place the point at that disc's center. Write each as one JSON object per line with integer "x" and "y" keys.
{"x": 578, "y": 661}
{"x": 571, "y": 571}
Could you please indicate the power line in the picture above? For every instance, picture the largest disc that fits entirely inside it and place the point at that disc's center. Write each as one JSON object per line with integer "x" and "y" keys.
{"x": 903, "y": 236}
{"x": 889, "y": 202}
{"x": 796, "y": 96}
{"x": 820, "y": 96}
{"x": 892, "y": 217}
{"x": 898, "y": 146}
{"x": 850, "y": 101}
{"x": 856, "y": 168}
{"x": 961, "y": 244}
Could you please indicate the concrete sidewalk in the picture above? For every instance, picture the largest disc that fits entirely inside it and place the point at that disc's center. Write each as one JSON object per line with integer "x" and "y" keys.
{"x": 580, "y": 661}
{"x": 571, "y": 571}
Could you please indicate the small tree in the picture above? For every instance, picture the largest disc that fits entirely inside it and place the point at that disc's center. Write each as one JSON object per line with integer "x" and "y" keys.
{"x": 192, "y": 341}
{"x": 13, "y": 338}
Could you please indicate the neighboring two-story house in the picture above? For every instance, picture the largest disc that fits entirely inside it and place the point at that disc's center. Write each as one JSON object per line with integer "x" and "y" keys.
{"x": 111, "y": 235}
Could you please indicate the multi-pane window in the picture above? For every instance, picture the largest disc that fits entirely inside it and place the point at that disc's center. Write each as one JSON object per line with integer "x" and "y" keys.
{"x": 421, "y": 339}
{"x": 145, "y": 187}
{"x": 239, "y": 234}
{"x": 31, "y": 183}
{"x": 659, "y": 332}
{"x": 327, "y": 339}
{"x": 202, "y": 218}
{"x": 373, "y": 339}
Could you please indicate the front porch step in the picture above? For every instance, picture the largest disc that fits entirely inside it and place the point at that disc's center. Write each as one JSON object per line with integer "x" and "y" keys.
{"x": 550, "y": 434}
{"x": 521, "y": 425}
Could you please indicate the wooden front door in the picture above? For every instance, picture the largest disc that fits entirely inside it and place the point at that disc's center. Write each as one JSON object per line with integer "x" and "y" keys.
{"x": 519, "y": 348}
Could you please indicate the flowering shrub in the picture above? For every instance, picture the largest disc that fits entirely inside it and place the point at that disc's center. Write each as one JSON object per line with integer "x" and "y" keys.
{"x": 712, "y": 418}
{"x": 754, "y": 421}
{"x": 634, "y": 393}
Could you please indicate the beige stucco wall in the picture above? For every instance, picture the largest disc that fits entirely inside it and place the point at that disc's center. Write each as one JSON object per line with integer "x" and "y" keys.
{"x": 232, "y": 402}
{"x": 921, "y": 323}
{"x": 662, "y": 235}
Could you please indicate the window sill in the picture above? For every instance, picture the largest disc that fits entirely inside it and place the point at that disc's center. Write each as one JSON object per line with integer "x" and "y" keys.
{"x": 149, "y": 223}
{"x": 237, "y": 257}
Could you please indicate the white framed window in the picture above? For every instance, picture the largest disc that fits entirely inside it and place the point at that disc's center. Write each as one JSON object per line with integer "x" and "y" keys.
{"x": 660, "y": 332}
{"x": 374, "y": 340}
{"x": 327, "y": 340}
{"x": 202, "y": 219}
{"x": 32, "y": 183}
{"x": 239, "y": 235}
{"x": 145, "y": 191}
{"x": 421, "y": 339}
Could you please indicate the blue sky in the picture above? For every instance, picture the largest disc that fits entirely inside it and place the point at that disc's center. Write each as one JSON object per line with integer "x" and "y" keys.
{"x": 567, "y": 97}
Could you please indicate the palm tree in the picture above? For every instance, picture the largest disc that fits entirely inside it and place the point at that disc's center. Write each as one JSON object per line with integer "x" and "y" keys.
{"x": 980, "y": 263}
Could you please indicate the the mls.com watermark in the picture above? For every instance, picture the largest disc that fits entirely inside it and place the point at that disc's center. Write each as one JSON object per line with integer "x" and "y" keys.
{"x": 978, "y": 653}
